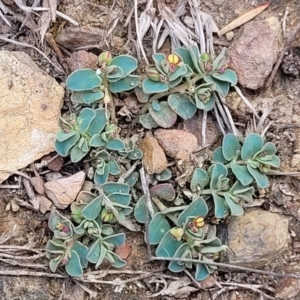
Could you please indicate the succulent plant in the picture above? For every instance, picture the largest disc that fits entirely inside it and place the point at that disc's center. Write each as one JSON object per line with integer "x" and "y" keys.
{"x": 114, "y": 75}
{"x": 93, "y": 214}
{"x": 251, "y": 161}
{"x": 190, "y": 81}
{"x": 78, "y": 131}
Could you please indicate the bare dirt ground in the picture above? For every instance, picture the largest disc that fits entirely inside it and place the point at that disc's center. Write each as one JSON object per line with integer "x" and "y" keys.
{"x": 32, "y": 226}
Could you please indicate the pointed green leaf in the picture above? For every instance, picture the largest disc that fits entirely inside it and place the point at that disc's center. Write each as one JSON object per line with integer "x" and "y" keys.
{"x": 201, "y": 272}
{"x": 118, "y": 261}
{"x": 140, "y": 210}
{"x": 92, "y": 210}
{"x": 82, "y": 251}
{"x": 196, "y": 208}
{"x": 120, "y": 198}
{"x": 101, "y": 256}
{"x": 158, "y": 59}
{"x": 176, "y": 266}
{"x": 195, "y": 55}
{"x": 73, "y": 266}
{"x": 114, "y": 168}
{"x": 97, "y": 141}
{"x": 101, "y": 178}
{"x": 274, "y": 161}
{"x": 182, "y": 106}
{"x": 83, "y": 80}
{"x": 158, "y": 226}
{"x": 94, "y": 252}
{"x": 116, "y": 239}
{"x": 167, "y": 246}
{"x": 54, "y": 263}
{"x": 220, "y": 86}
{"x": 185, "y": 56}
{"x": 221, "y": 59}
{"x": 62, "y": 136}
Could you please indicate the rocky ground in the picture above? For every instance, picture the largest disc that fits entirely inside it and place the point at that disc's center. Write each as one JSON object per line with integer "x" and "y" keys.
{"x": 266, "y": 237}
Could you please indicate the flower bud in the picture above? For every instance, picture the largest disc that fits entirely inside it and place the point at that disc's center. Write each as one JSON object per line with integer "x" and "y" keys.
{"x": 199, "y": 222}
{"x": 59, "y": 226}
{"x": 65, "y": 229}
{"x": 177, "y": 233}
{"x": 173, "y": 59}
{"x": 204, "y": 57}
{"x": 153, "y": 74}
{"x": 221, "y": 70}
{"x": 105, "y": 58}
{"x": 106, "y": 215}
{"x": 195, "y": 229}
{"x": 64, "y": 261}
{"x": 208, "y": 67}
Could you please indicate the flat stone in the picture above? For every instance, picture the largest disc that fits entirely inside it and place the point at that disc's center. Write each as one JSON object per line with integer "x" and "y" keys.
{"x": 123, "y": 251}
{"x": 287, "y": 288}
{"x": 177, "y": 144}
{"x": 256, "y": 238}
{"x": 44, "y": 204}
{"x": 64, "y": 191}
{"x": 82, "y": 59}
{"x": 154, "y": 158}
{"x": 75, "y": 37}
{"x": 30, "y": 105}
{"x": 254, "y": 51}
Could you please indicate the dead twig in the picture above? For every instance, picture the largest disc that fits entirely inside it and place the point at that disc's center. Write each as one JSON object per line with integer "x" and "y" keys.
{"x": 284, "y": 49}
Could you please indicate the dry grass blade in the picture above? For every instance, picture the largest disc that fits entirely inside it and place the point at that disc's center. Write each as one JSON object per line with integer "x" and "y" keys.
{"x": 53, "y": 7}
{"x": 3, "y": 10}
{"x": 4, "y": 38}
{"x": 32, "y": 9}
{"x": 244, "y": 18}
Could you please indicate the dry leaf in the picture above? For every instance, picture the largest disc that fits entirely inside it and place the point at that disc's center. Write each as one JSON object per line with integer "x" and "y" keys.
{"x": 243, "y": 18}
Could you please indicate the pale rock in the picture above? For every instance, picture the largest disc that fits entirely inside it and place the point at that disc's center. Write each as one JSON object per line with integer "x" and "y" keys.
{"x": 44, "y": 204}
{"x": 30, "y": 105}
{"x": 154, "y": 158}
{"x": 64, "y": 191}
{"x": 254, "y": 51}
{"x": 256, "y": 238}
{"x": 177, "y": 144}
{"x": 287, "y": 288}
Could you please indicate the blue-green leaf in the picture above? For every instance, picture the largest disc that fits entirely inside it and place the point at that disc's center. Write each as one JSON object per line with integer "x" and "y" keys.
{"x": 83, "y": 80}
{"x": 220, "y": 86}
{"x": 182, "y": 106}
{"x": 126, "y": 62}
{"x": 228, "y": 76}
{"x": 221, "y": 210}
{"x": 158, "y": 59}
{"x": 97, "y": 141}
{"x": 63, "y": 148}
{"x": 147, "y": 121}
{"x": 115, "y": 144}
{"x": 154, "y": 87}
{"x": 241, "y": 173}
{"x": 167, "y": 246}
{"x": 197, "y": 208}
{"x": 114, "y": 73}
{"x": 77, "y": 154}
{"x": 125, "y": 84}
{"x": 92, "y": 210}
{"x": 176, "y": 266}
{"x": 199, "y": 179}
{"x": 101, "y": 178}
{"x": 99, "y": 122}
{"x": 218, "y": 156}
{"x": 62, "y": 135}
{"x": 252, "y": 144}
{"x": 166, "y": 117}
{"x": 185, "y": 56}
{"x": 179, "y": 72}
{"x": 218, "y": 170}
{"x": 201, "y": 272}
{"x": 116, "y": 239}
{"x": 114, "y": 187}
{"x": 85, "y": 118}
{"x": 230, "y": 146}
{"x": 260, "y": 178}
{"x": 94, "y": 252}
{"x": 82, "y": 251}
{"x": 163, "y": 191}
{"x": 158, "y": 226}
{"x": 195, "y": 55}
{"x": 73, "y": 266}
{"x": 235, "y": 208}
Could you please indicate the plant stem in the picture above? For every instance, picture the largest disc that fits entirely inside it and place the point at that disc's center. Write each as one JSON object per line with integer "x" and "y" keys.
{"x": 162, "y": 208}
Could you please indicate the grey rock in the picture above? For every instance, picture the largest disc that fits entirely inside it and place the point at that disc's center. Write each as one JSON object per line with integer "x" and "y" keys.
{"x": 256, "y": 238}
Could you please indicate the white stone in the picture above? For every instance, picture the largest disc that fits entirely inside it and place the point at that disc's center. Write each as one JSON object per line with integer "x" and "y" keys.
{"x": 30, "y": 105}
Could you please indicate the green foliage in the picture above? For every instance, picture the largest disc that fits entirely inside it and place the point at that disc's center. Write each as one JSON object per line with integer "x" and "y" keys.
{"x": 93, "y": 239}
{"x": 114, "y": 75}
{"x": 190, "y": 81}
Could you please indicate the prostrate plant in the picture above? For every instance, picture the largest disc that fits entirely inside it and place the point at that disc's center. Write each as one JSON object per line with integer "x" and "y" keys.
{"x": 189, "y": 79}
{"x": 187, "y": 238}
{"x": 93, "y": 213}
{"x": 113, "y": 76}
